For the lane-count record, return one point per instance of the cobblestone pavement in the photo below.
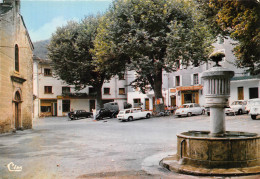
(59, 148)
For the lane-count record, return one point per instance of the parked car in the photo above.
(112, 106)
(229, 111)
(104, 113)
(132, 114)
(255, 109)
(79, 114)
(250, 103)
(239, 106)
(189, 109)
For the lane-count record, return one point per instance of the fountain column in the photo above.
(217, 92)
(216, 152)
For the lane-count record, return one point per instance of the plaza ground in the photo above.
(60, 148)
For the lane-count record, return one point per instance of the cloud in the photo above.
(45, 31)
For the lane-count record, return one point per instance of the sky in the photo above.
(43, 17)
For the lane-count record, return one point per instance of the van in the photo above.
(112, 106)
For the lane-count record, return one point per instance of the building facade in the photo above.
(186, 86)
(16, 68)
(53, 97)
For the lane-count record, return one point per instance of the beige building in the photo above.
(53, 97)
(16, 99)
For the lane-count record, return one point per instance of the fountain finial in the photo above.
(217, 57)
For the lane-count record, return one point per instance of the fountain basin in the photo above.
(236, 153)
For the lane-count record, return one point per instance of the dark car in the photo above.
(104, 113)
(79, 114)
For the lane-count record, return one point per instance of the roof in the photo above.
(245, 78)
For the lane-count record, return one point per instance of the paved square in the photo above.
(60, 148)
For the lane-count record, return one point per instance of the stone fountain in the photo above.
(216, 152)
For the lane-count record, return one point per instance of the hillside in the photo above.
(40, 49)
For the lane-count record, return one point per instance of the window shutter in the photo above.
(174, 84)
(180, 80)
(191, 79)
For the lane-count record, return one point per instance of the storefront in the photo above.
(48, 107)
(189, 94)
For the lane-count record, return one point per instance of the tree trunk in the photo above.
(99, 103)
(159, 105)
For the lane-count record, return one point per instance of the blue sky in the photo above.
(43, 17)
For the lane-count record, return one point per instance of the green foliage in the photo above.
(154, 34)
(241, 21)
(69, 51)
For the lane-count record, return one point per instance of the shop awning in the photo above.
(189, 88)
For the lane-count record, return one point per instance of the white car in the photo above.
(133, 113)
(229, 111)
(250, 103)
(189, 109)
(255, 109)
(239, 106)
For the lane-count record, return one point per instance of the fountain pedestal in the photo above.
(216, 152)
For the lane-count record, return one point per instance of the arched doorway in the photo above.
(17, 111)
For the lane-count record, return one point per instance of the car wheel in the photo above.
(203, 112)
(130, 118)
(189, 114)
(179, 115)
(91, 115)
(148, 115)
(253, 116)
(76, 118)
(239, 112)
(71, 117)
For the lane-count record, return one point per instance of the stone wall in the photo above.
(12, 32)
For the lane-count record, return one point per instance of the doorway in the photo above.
(253, 93)
(17, 110)
(173, 100)
(147, 104)
(54, 109)
(92, 105)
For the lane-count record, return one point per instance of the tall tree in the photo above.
(70, 51)
(239, 19)
(154, 35)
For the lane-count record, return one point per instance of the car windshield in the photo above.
(237, 103)
(185, 106)
(121, 112)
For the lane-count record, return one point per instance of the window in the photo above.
(47, 89)
(122, 77)
(240, 93)
(107, 91)
(253, 93)
(47, 72)
(122, 91)
(177, 81)
(195, 79)
(16, 58)
(65, 89)
(45, 108)
(178, 64)
(65, 105)
(91, 90)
